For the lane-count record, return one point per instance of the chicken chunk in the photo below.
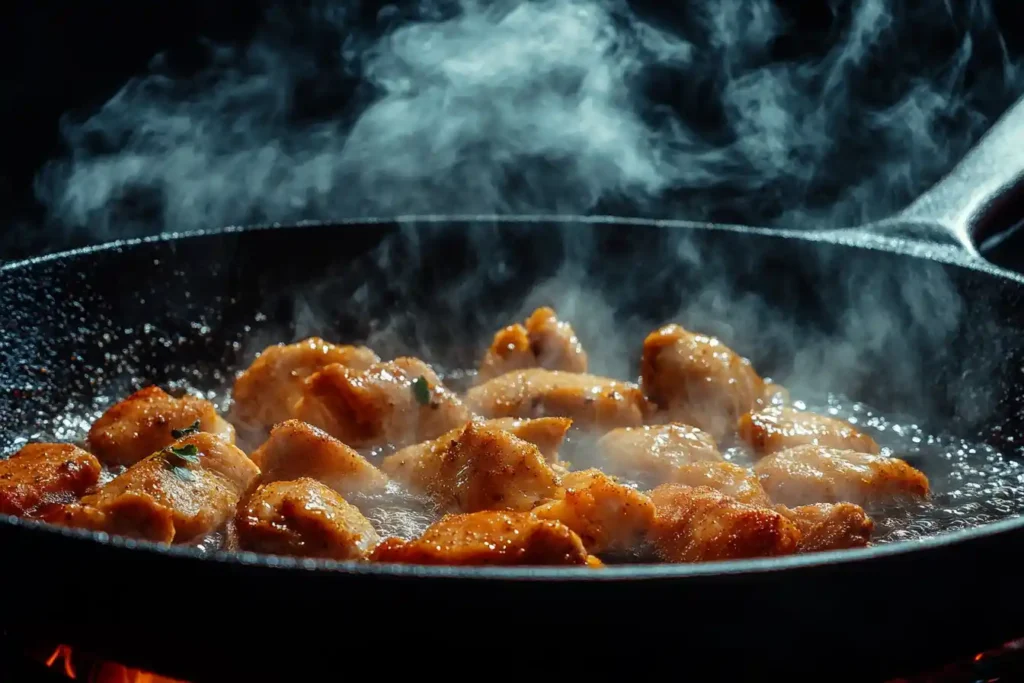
(545, 342)
(142, 423)
(778, 428)
(306, 519)
(266, 393)
(814, 474)
(399, 403)
(606, 515)
(651, 454)
(174, 495)
(482, 468)
(701, 524)
(45, 473)
(826, 526)
(546, 433)
(488, 538)
(296, 449)
(698, 380)
(728, 478)
(592, 402)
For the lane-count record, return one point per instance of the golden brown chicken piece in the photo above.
(606, 515)
(778, 428)
(698, 380)
(592, 402)
(814, 474)
(482, 468)
(701, 524)
(174, 495)
(296, 449)
(731, 479)
(306, 519)
(398, 403)
(141, 424)
(545, 342)
(45, 473)
(266, 393)
(651, 454)
(488, 538)
(828, 526)
(546, 433)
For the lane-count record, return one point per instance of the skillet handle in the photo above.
(974, 199)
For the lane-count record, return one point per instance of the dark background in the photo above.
(70, 57)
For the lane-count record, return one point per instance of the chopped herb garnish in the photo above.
(421, 390)
(183, 473)
(177, 457)
(187, 452)
(187, 431)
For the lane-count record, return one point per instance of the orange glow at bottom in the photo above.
(63, 652)
(105, 672)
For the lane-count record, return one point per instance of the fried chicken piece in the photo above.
(698, 380)
(728, 478)
(296, 449)
(45, 473)
(651, 454)
(141, 424)
(815, 474)
(399, 402)
(778, 428)
(546, 433)
(827, 526)
(488, 538)
(306, 519)
(165, 497)
(606, 515)
(701, 524)
(481, 468)
(591, 401)
(545, 342)
(266, 393)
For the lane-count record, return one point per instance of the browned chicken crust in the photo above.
(701, 524)
(153, 500)
(731, 479)
(814, 474)
(827, 526)
(296, 449)
(141, 424)
(42, 474)
(381, 405)
(778, 428)
(304, 518)
(544, 342)
(481, 468)
(651, 454)
(591, 402)
(607, 515)
(697, 380)
(488, 538)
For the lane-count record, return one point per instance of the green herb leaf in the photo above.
(421, 390)
(187, 431)
(187, 453)
(183, 473)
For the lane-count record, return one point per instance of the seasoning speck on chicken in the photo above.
(815, 474)
(701, 524)
(651, 454)
(154, 500)
(296, 449)
(488, 538)
(592, 402)
(778, 428)
(728, 478)
(267, 392)
(132, 429)
(827, 526)
(545, 342)
(697, 380)
(482, 468)
(306, 519)
(396, 403)
(606, 515)
(41, 474)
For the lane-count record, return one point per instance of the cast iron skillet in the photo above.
(97, 322)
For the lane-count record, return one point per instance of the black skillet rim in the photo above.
(874, 240)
